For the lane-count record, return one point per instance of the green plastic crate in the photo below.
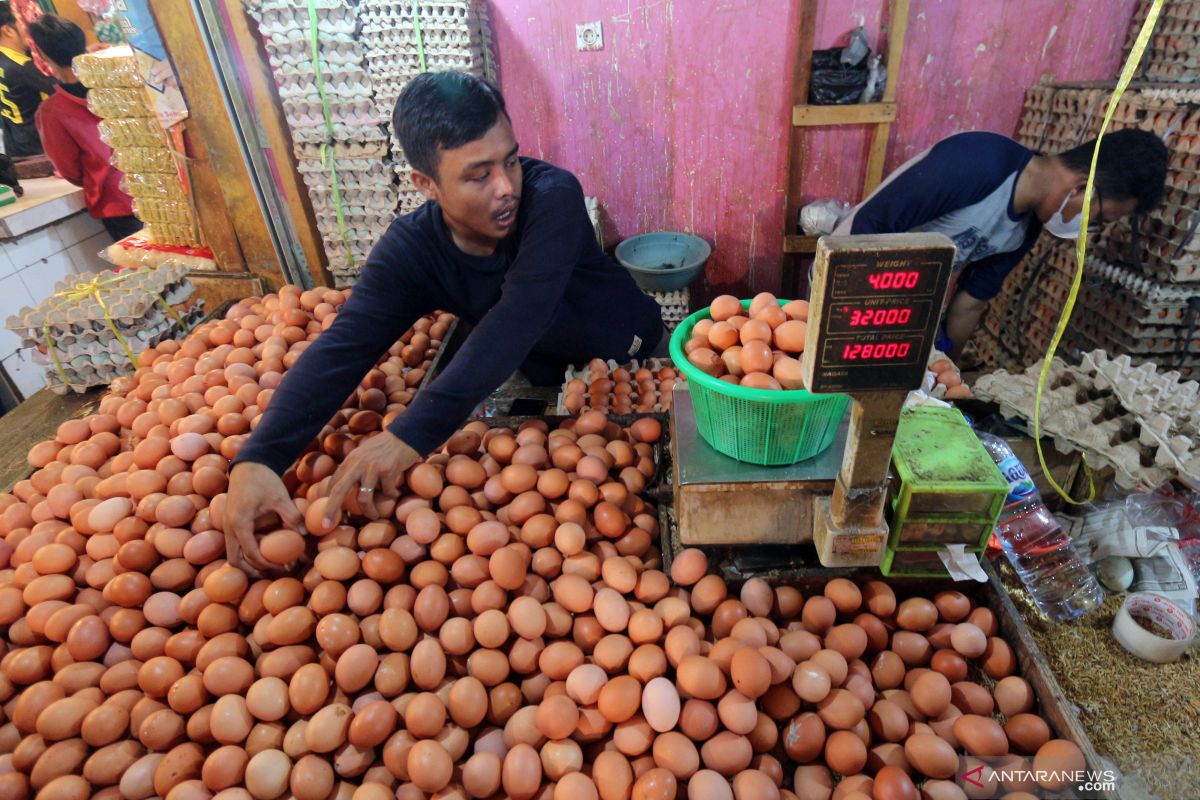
(922, 563)
(935, 531)
(945, 476)
(757, 426)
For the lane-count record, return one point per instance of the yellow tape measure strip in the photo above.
(1127, 72)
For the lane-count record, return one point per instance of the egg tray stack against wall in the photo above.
(1174, 50)
(403, 39)
(79, 331)
(1135, 282)
(343, 157)
(367, 52)
(140, 150)
(1143, 423)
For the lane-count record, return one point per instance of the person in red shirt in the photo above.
(70, 132)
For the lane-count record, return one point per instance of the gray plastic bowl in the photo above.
(663, 261)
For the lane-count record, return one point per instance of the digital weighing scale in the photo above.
(875, 308)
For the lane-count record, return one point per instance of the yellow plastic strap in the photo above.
(1127, 73)
(319, 79)
(96, 288)
(163, 302)
(62, 373)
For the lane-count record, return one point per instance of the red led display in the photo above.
(878, 351)
(879, 313)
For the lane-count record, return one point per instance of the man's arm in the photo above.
(981, 281)
(60, 147)
(380, 309)
(533, 289)
(962, 318)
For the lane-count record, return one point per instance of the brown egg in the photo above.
(913, 648)
(971, 698)
(931, 693)
(700, 677)
(968, 640)
(849, 640)
(952, 606)
(998, 660)
(845, 753)
(887, 670)
(916, 614)
(620, 698)
(950, 664)
(1013, 696)
(1027, 732)
(751, 672)
(931, 755)
(893, 782)
(980, 736)
(841, 709)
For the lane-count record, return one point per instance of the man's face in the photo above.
(12, 35)
(1104, 209)
(479, 187)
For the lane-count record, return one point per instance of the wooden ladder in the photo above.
(881, 115)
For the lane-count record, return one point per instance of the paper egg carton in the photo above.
(1174, 50)
(1143, 423)
(673, 306)
(73, 339)
(583, 373)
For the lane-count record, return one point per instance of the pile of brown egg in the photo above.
(758, 347)
(503, 628)
(620, 390)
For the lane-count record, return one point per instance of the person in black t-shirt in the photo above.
(22, 89)
(505, 243)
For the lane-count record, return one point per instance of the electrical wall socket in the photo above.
(589, 36)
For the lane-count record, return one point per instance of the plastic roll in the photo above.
(1163, 612)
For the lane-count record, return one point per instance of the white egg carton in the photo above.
(1142, 422)
(583, 373)
(673, 306)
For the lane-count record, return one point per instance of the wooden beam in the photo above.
(801, 77)
(897, 28)
(851, 114)
(276, 142)
(211, 130)
(800, 244)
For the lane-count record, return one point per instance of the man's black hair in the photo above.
(60, 40)
(443, 110)
(6, 15)
(1132, 166)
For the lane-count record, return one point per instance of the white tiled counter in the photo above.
(44, 237)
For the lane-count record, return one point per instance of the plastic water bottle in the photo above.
(1036, 545)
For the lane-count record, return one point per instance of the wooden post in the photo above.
(801, 75)
(231, 219)
(897, 27)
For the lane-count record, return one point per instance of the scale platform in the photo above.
(722, 501)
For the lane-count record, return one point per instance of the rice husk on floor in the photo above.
(1142, 716)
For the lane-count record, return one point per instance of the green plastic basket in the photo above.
(758, 426)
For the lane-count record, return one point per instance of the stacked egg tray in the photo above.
(117, 94)
(673, 306)
(339, 140)
(1141, 422)
(595, 386)
(87, 351)
(1174, 50)
(404, 39)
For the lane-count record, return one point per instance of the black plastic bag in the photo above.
(840, 74)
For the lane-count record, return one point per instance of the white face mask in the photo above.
(1063, 229)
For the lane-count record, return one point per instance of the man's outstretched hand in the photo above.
(254, 491)
(376, 465)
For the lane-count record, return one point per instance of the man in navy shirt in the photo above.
(992, 197)
(505, 243)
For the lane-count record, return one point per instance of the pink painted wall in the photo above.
(681, 121)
